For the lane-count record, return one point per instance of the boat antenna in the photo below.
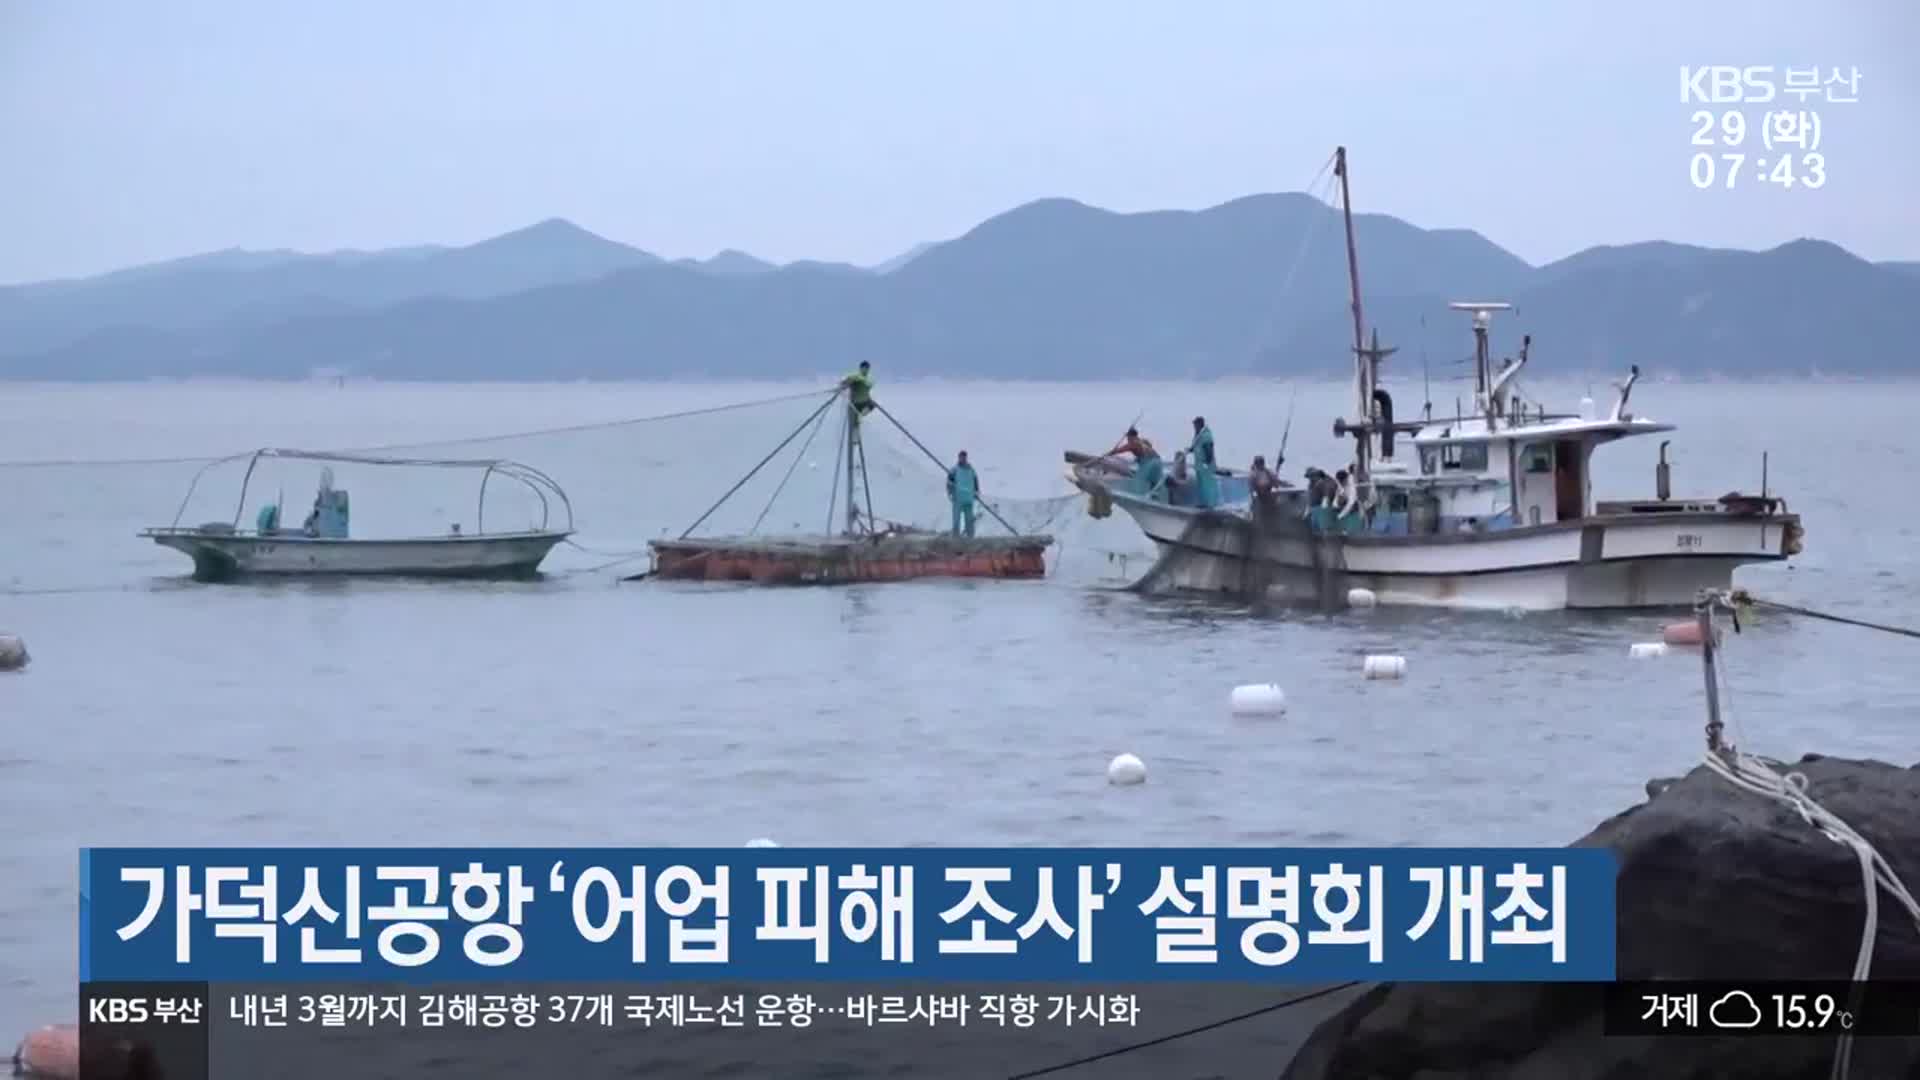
(1426, 376)
(1482, 319)
(1363, 390)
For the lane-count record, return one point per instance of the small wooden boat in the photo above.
(323, 547)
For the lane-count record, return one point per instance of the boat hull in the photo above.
(849, 560)
(219, 557)
(1607, 561)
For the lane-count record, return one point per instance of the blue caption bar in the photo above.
(1092, 914)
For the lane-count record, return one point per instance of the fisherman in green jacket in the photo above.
(963, 486)
(860, 389)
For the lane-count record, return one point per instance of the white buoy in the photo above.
(1586, 408)
(1361, 598)
(13, 653)
(1384, 667)
(1263, 700)
(761, 841)
(1647, 650)
(1127, 769)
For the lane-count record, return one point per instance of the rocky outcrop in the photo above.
(1714, 883)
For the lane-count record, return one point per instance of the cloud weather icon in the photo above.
(1736, 1009)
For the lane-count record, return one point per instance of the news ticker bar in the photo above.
(1885, 1008)
(307, 1031)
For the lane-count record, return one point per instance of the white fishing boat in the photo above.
(323, 546)
(1495, 509)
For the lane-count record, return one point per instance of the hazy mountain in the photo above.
(1904, 267)
(1051, 289)
(902, 259)
(230, 287)
(729, 261)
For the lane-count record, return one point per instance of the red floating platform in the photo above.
(840, 560)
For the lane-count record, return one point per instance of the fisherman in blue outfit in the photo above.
(1149, 472)
(1206, 485)
(963, 487)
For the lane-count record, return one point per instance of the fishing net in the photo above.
(1271, 555)
(628, 480)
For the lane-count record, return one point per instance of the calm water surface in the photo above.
(576, 710)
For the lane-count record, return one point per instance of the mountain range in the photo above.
(1050, 289)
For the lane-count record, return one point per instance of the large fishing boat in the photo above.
(1491, 508)
(322, 545)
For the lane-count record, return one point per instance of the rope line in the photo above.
(784, 480)
(931, 456)
(618, 557)
(771, 454)
(568, 429)
(1297, 999)
(1812, 614)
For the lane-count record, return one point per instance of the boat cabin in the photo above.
(1471, 478)
(1508, 464)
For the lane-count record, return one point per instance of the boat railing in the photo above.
(544, 487)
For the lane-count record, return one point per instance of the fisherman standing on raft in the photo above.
(1149, 473)
(963, 487)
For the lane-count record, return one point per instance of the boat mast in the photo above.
(1362, 375)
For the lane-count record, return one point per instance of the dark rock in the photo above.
(1715, 883)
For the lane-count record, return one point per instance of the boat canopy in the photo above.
(543, 486)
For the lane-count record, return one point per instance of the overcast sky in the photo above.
(852, 130)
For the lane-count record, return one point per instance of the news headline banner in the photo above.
(946, 914)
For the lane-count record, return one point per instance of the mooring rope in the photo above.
(1774, 781)
(1827, 616)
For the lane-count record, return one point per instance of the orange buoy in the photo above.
(1681, 633)
(52, 1053)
